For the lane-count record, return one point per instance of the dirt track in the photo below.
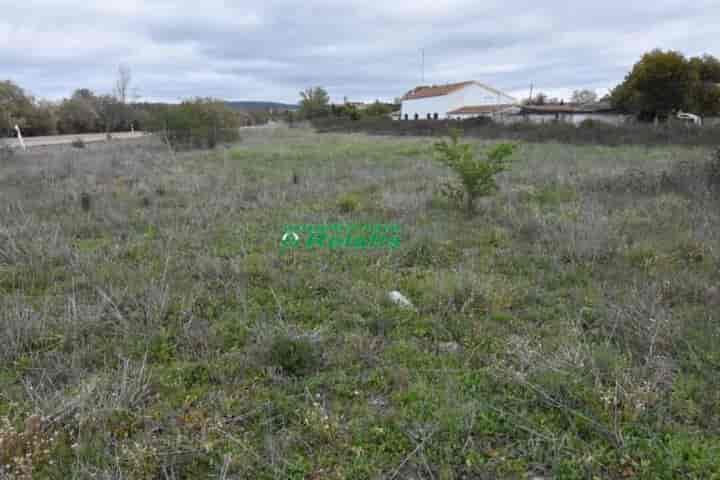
(65, 139)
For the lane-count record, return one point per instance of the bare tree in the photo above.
(122, 83)
(113, 109)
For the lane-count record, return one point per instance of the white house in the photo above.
(456, 100)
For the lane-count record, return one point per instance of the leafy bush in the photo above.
(348, 203)
(589, 123)
(477, 176)
(296, 356)
(200, 123)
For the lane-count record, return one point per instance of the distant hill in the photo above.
(260, 106)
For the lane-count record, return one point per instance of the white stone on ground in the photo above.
(399, 299)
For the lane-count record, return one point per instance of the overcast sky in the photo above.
(362, 49)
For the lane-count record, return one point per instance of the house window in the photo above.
(435, 116)
(417, 116)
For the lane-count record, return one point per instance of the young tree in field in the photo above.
(314, 102)
(476, 175)
(583, 97)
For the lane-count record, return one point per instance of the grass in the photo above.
(154, 329)
(587, 133)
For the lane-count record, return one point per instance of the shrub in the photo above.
(200, 123)
(296, 356)
(588, 123)
(85, 201)
(348, 203)
(477, 176)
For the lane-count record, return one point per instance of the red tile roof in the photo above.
(434, 91)
(480, 109)
(440, 90)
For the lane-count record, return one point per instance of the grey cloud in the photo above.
(357, 48)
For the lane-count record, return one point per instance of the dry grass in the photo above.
(569, 328)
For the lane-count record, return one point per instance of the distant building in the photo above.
(493, 111)
(456, 100)
(571, 113)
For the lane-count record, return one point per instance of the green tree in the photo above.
(378, 109)
(703, 96)
(42, 120)
(314, 102)
(78, 114)
(197, 123)
(15, 107)
(111, 113)
(657, 85)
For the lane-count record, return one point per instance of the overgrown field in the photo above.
(153, 328)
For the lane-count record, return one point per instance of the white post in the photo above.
(19, 136)
(132, 129)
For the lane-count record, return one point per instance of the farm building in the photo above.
(571, 113)
(455, 100)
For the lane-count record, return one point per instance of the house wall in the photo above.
(432, 105)
(471, 95)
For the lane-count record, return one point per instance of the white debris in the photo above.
(399, 299)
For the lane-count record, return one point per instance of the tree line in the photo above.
(315, 104)
(195, 122)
